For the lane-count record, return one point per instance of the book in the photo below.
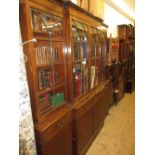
(43, 55)
(75, 51)
(35, 22)
(57, 56)
(81, 52)
(57, 99)
(92, 76)
(84, 46)
(40, 81)
(45, 79)
(78, 84)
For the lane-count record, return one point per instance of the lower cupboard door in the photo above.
(84, 130)
(61, 143)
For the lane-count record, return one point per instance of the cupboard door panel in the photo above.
(99, 112)
(101, 109)
(61, 143)
(84, 129)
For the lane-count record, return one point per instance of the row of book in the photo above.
(54, 100)
(80, 80)
(80, 51)
(45, 79)
(45, 54)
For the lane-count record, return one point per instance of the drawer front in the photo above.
(57, 126)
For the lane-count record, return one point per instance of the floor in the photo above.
(117, 135)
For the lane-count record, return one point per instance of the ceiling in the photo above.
(130, 4)
(125, 7)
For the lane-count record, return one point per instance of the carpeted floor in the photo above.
(117, 137)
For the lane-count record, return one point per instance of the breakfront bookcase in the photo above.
(66, 72)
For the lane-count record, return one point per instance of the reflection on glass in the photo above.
(43, 22)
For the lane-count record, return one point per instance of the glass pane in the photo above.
(38, 24)
(54, 24)
(80, 54)
(44, 22)
(50, 60)
(96, 57)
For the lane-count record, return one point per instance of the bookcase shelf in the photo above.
(42, 38)
(51, 89)
(50, 109)
(45, 91)
(43, 66)
(77, 61)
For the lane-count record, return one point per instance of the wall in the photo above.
(27, 144)
(114, 18)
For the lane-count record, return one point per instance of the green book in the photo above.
(59, 99)
(51, 100)
(55, 101)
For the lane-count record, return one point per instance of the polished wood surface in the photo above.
(70, 128)
(90, 112)
(84, 129)
(60, 143)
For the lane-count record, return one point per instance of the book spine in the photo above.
(78, 85)
(81, 52)
(40, 80)
(36, 26)
(39, 55)
(36, 52)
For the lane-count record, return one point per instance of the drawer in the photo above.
(56, 127)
